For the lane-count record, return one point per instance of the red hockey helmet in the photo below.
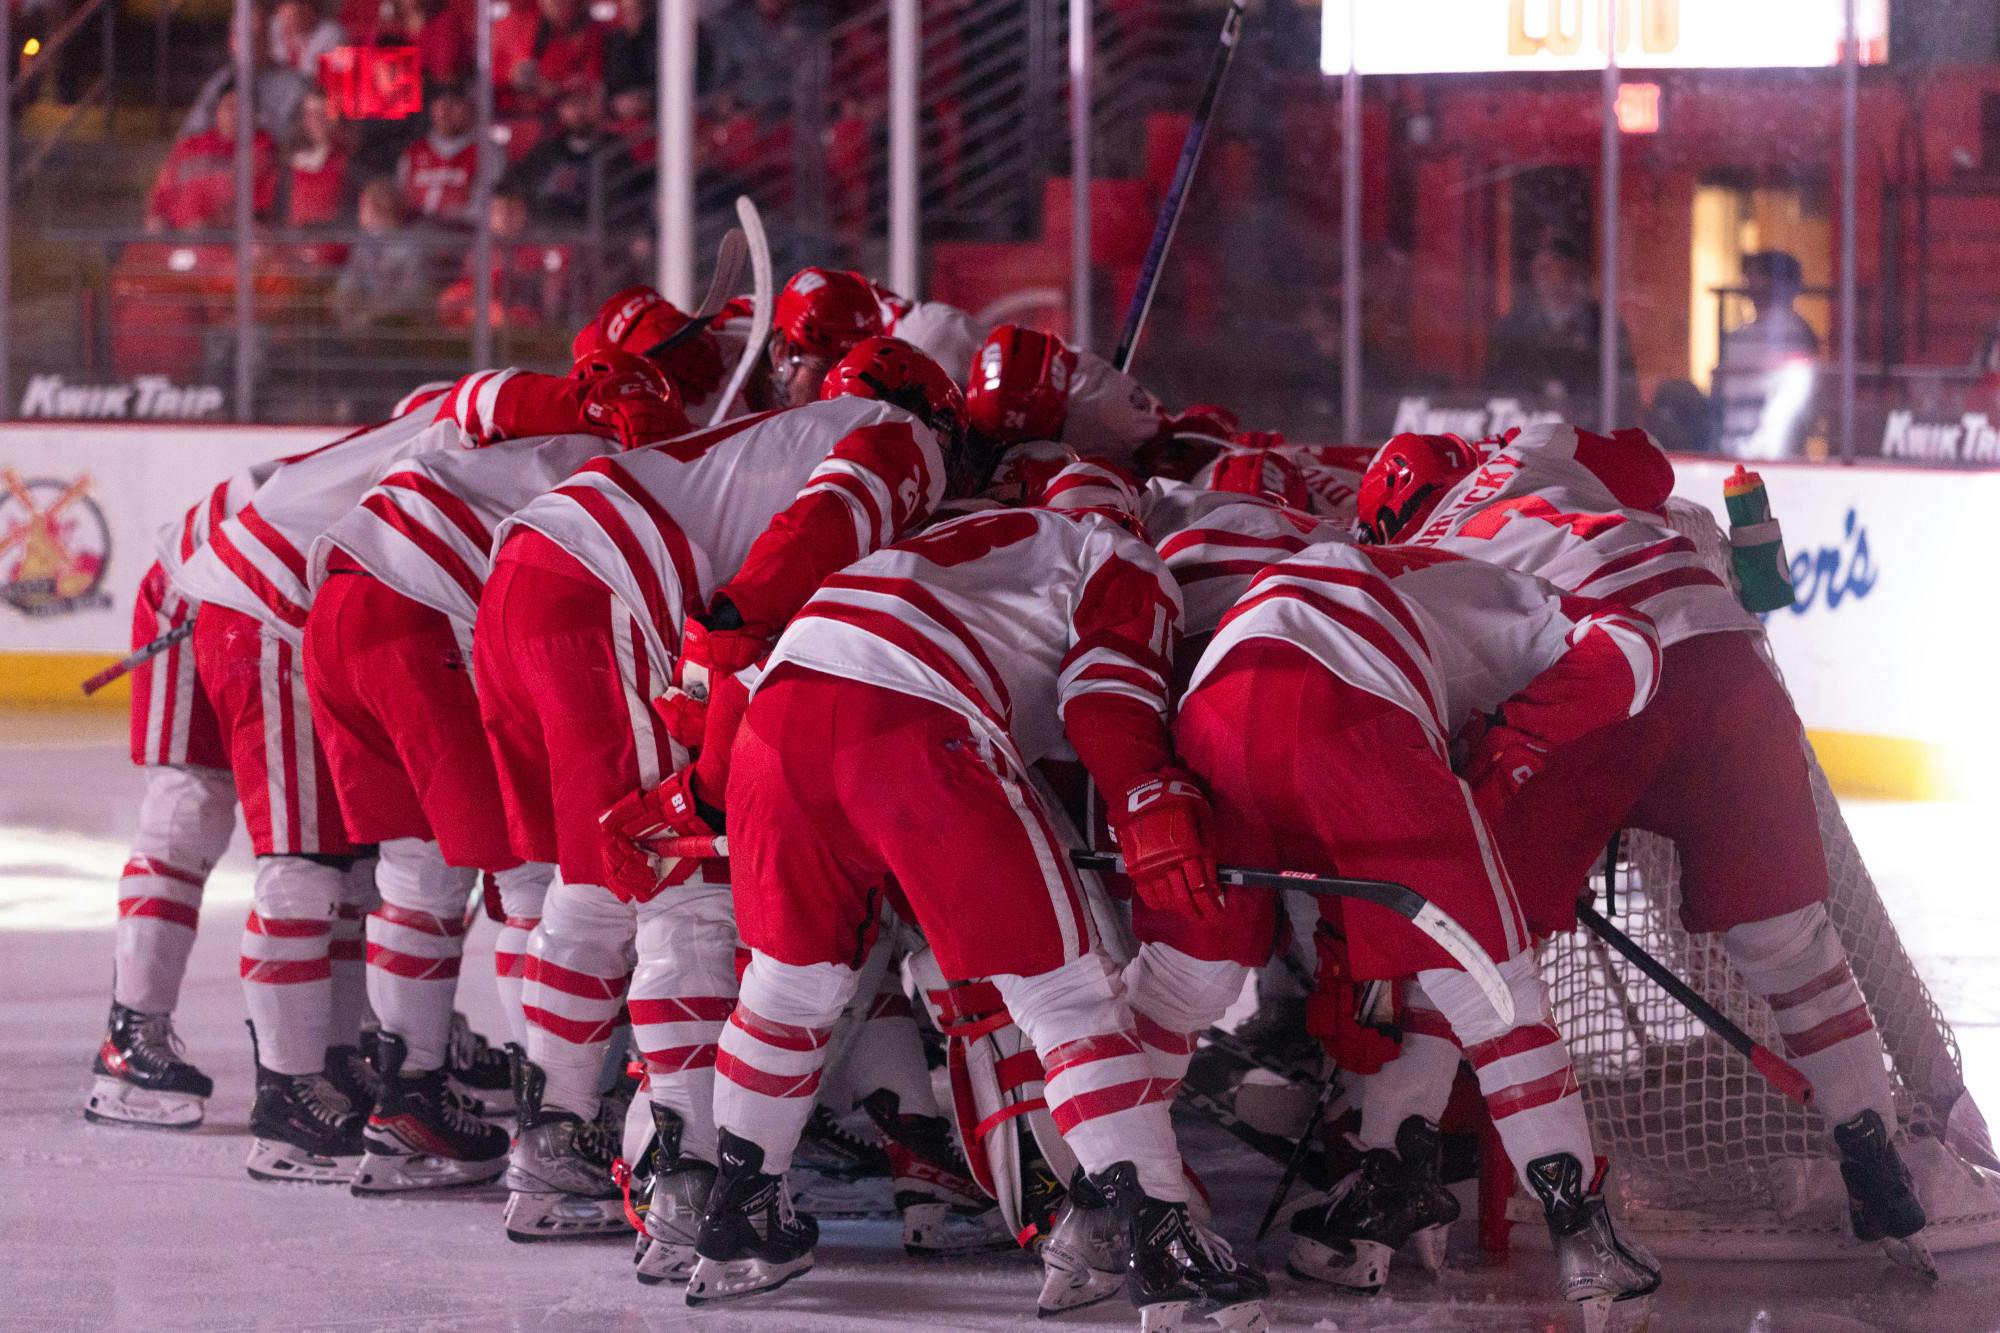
(825, 312)
(1263, 472)
(616, 361)
(893, 371)
(641, 321)
(1406, 479)
(1025, 470)
(1019, 385)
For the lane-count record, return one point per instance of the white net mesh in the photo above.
(1707, 1156)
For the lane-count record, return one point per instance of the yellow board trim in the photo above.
(56, 679)
(1887, 768)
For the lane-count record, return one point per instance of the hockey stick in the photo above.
(1766, 1061)
(1329, 1091)
(730, 257)
(1170, 207)
(760, 317)
(1404, 901)
(125, 666)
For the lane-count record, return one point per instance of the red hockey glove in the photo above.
(719, 644)
(670, 810)
(626, 408)
(1499, 762)
(1333, 1012)
(1162, 828)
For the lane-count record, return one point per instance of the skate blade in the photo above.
(1912, 1253)
(282, 1162)
(660, 1261)
(1172, 1316)
(532, 1217)
(384, 1173)
(1428, 1247)
(730, 1279)
(1364, 1271)
(113, 1101)
(1067, 1286)
(1609, 1314)
(933, 1230)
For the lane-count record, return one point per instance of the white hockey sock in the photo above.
(573, 989)
(1524, 1071)
(185, 819)
(773, 1049)
(1176, 997)
(415, 939)
(1101, 1089)
(1418, 1081)
(347, 952)
(682, 993)
(522, 890)
(287, 977)
(1796, 963)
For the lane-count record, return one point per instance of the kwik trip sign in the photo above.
(142, 398)
(1499, 36)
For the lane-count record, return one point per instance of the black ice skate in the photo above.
(1393, 1198)
(421, 1135)
(1595, 1266)
(351, 1069)
(1180, 1275)
(559, 1174)
(839, 1173)
(141, 1077)
(944, 1210)
(751, 1238)
(677, 1193)
(1882, 1203)
(1084, 1258)
(304, 1128)
(481, 1073)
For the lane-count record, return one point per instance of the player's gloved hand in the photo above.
(1499, 761)
(625, 407)
(1333, 1012)
(694, 365)
(633, 871)
(1162, 827)
(719, 643)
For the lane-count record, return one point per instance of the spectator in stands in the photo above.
(757, 50)
(529, 280)
(1546, 347)
(279, 90)
(383, 281)
(1765, 377)
(437, 172)
(196, 186)
(300, 34)
(557, 173)
(537, 52)
(632, 52)
(316, 193)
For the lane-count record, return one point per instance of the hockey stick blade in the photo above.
(763, 301)
(730, 258)
(125, 666)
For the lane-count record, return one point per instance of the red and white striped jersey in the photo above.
(1005, 617)
(942, 332)
(1547, 504)
(1333, 474)
(426, 528)
(1444, 638)
(664, 526)
(511, 404)
(1215, 542)
(1110, 413)
(178, 541)
(255, 560)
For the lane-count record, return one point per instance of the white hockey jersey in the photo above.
(1332, 474)
(1547, 503)
(255, 560)
(1004, 617)
(1444, 638)
(1110, 413)
(426, 528)
(665, 526)
(177, 542)
(942, 332)
(1215, 542)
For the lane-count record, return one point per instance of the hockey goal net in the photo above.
(1708, 1159)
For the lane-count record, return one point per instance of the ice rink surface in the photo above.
(105, 1228)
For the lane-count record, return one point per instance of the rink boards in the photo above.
(1886, 649)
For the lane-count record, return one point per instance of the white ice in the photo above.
(111, 1228)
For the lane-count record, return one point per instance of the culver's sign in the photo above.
(143, 398)
(1422, 416)
(1828, 576)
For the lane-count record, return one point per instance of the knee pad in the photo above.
(1771, 946)
(186, 816)
(585, 928)
(1054, 1006)
(1179, 992)
(294, 888)
(811, 996)
(1472, 1016)
(411, 873)
(523, 889)
(691, 933)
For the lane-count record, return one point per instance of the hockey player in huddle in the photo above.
(388, 647)
(954, 660)
(1320, 717)
(1716, 763)
(638, 572)
(1026, 385)
(186, 815)
(1329, 475)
